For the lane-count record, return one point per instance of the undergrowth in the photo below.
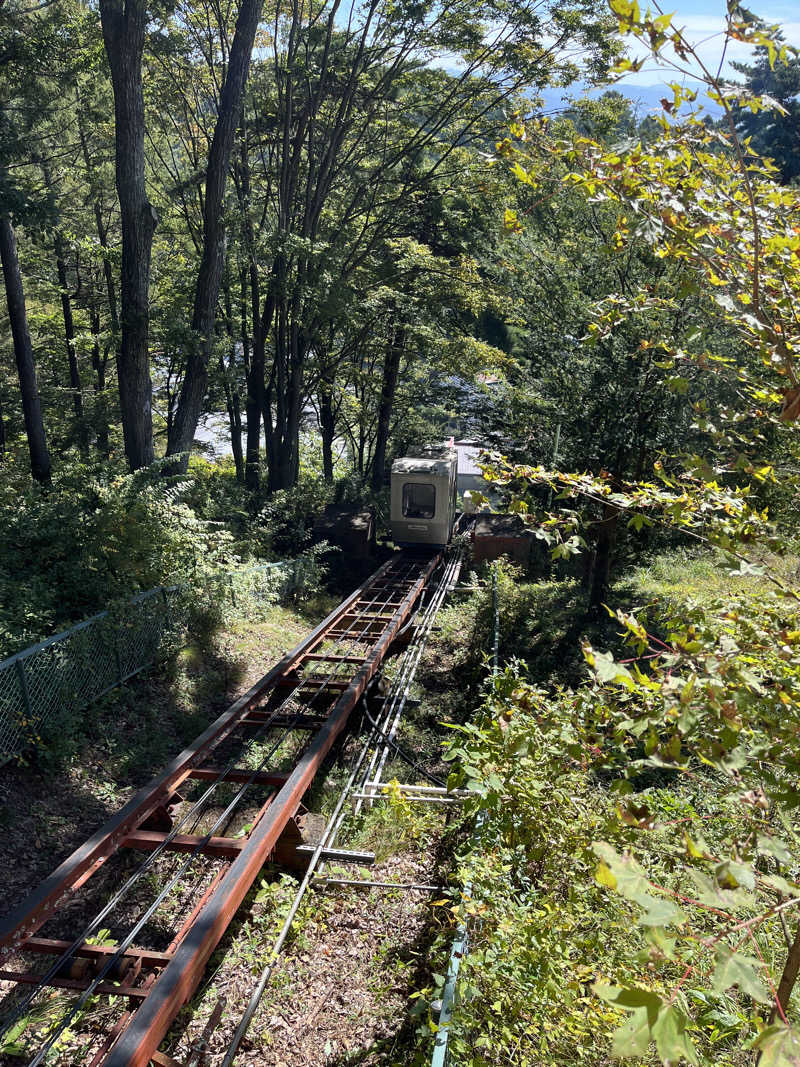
(558, 941)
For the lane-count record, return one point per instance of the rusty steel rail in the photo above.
(323, 685)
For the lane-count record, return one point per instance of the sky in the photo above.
(704, 21)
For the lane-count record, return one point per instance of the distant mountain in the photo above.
(645, 98)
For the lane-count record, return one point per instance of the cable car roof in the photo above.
(438, 461)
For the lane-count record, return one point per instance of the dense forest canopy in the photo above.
(234, 205)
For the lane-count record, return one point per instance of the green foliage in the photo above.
(702, 703)
(288, 515)
(393, 823)
(635, 904)
(99, 536)
(773, 132)
(537, 921)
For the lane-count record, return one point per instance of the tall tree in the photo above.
(26, 37)
(354, 131)
(773, 132)
(100, 351)
(23, 352)
(124, 23)
(209, 278)
(60, 249)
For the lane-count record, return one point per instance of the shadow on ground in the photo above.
(95, 762)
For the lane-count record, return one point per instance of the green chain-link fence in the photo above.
(65, 673)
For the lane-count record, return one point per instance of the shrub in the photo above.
(288, 516)
(97, 536)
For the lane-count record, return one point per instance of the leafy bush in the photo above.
(212, 491)
(97, 536)
(288, 516)
(537, 922)
(578, 951)
(632, 886)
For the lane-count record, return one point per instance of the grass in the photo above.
(134, 729)
(394, 824)
(547, 931)
(704, 575)
(97, 760)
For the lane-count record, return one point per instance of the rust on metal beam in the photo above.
(365, 638)
(315, 685)
(320, 656)
(75, 984)
(24, 920)
(220, 847)
(49, 946)
(161, 1059)
(179, 979)
(296, 722)
(371, 619)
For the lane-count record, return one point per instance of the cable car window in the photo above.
(419, 500)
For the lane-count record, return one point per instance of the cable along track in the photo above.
(366, 769)
(308, 695)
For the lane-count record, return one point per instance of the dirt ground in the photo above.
(342, 991)
(51, 805)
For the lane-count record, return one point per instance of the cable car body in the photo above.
(423, 497)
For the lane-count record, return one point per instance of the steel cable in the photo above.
(147, 864)
(335, 821)
(128, 940)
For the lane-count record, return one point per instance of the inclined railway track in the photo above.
(310, 693)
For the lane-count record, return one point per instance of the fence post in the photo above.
(23, 685)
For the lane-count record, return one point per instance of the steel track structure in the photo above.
(375, 737)
(314, 688)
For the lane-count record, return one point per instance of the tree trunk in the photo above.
(69, 323)
(209, 278)
(244, 335)
(604, 549)
(231, 388)
(102, 231)
(327, 426)
(391, 369)
(234, 419)
(69, 338)
(290, 358)
(123, 34)
(258, 398)
(100, 359)
(102, 236)
(789, 977)
(270, 449)
(299, 355)
(254, 407)
(787, 983)
(23, 352)
(99, 367)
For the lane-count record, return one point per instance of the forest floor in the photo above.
(341, 992)
(50, 805)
